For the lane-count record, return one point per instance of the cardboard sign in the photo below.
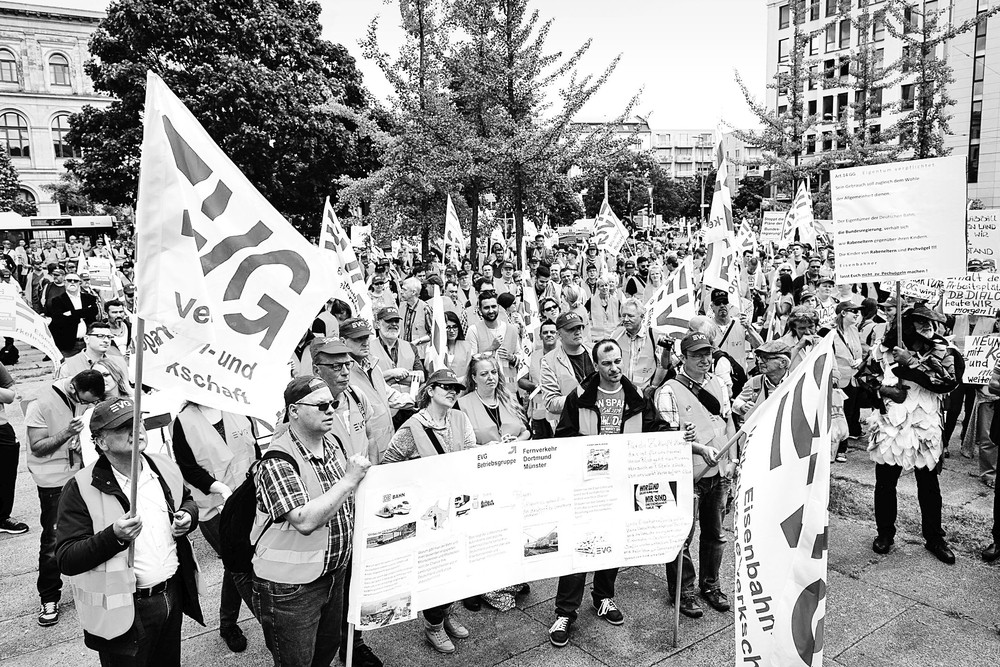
(982, 354)
(771, 225)
(974, 294)
(922, 290)
(984, 236)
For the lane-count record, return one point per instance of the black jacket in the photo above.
(78, 549)
(66, 318)
(584, 397)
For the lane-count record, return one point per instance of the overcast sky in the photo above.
(680, 53)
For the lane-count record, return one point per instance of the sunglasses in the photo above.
(72, 280)
(322, 406)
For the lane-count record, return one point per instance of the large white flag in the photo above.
(453, 238)
(781, 511)
(723, 259)
(674, 304)
(437, 350)
(20, 322)
(720, 217)
(226, 285)
(609, 232)
(350, 284)
(800, 217)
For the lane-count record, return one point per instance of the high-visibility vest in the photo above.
(226, 460)
(711, 430)
(54, 470)
(456, 435)
(283, 554)
(486, 430)
(406, 354)
(104, 595)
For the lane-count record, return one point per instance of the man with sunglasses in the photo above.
(97, 342)
(53, 423)
(304, 529)
(70, 315)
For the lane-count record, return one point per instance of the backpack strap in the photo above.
(726, 335)
(274, 454)
(434, 439)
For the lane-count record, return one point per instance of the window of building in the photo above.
(829, 69)
(976, 126)
(930, 10)
(842, 105)
(845, 68)
(783, 109)
(14, 134)
(828, 141)
(981, 37)
(910, 20)
(810, 144)
(875, 108)
(878, 27)
(831, 37)
(814, 10)
(685, 168)
(974, 164)
(59, 70)
(828, 108)
(979, 69)
(831, 8)
(875, 134)
(812, 107)
(905, 133)
(906, 97)
(684, 154)
(784, 17)
(783, 49)
(8, 67)
(813, 46)
(878, 57)
(845, 34)
(60, 128)
(662, 140)
(28, 197)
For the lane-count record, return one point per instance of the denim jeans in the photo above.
(301, 622)
(49, 579)
(160, 617)
(928, 496)
(229, 604)
(356, 637)
(569, 594)
(710, 494)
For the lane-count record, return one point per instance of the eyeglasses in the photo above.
(446, 387)
(337, 366)
(451, 327)
(548, 308)
(322, 406)
(72, 280)
(100, 336)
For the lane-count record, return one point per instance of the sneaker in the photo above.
(559, 632)
(363, 657)
(841, 458)
(8, 525)
(49, 614)
(717, 599)
(690, 607)
(609, 611)
(438, 638)
(454, 627)
(234, 638)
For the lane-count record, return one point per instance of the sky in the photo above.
(681, 54)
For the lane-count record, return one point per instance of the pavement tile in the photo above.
(547, 655)
(855, 609)
(926, 637)
(713, 650)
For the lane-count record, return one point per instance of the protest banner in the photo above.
(982, 354)
(782, 518)
(922, 290)
(670, 309)
(20, 322)
(609, 232)
(984, 236)
(350, 285)
(226, 286)
(898, 220)
(443, 528)
(360, 234)
(973, 294)
(771, 226)
(719, 224)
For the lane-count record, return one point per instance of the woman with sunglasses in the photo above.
(437, 428)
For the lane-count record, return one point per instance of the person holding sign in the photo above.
(915, 374)
(437, 428)
(605, 403)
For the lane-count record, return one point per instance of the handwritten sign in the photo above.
(982, 353)
(984, 236)
(922, 290)
(974, 294)
(770, 227)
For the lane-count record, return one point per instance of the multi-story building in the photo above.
(42, 82)
(974, 57)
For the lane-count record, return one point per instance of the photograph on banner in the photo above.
(984, 237)
(897, 220)
(771, 226)
(973, 294)
(982, 354)
(444, 528)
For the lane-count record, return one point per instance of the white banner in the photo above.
(782, 519)
(218, 265)
(974, 294)
(771, 225)
(984, 236)
(898, 220)
(670, 309)
(982, 354)
(923, 290)
(720, 217)
(360, 234)
(443, 528)
(20, 322)
(350, 285)
(609, 232)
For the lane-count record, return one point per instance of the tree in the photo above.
(276, 97)
(10, 188)
(749, 195)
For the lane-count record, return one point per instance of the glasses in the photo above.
(447, 387)
(322, 406)
(548, 308)
(337, 366)
(452, 327)
(72, 280)
(100, 336)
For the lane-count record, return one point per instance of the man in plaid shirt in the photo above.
(303, 530)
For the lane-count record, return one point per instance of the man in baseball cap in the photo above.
(396, 357)
(774, 358)
(565, 367)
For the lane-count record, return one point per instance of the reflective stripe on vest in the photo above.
(226, 460)
(284, 555)
(54, 470)
(104, 595)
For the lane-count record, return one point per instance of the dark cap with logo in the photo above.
(446, 378)
(569, 321)
(719, 296)
(111, 414)
(301, 387)
(695, 341)
(845, 306)
(388, 314)
(355, 327)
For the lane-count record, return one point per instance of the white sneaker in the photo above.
(48, 614)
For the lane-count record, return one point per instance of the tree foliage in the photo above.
(277, 98)
(10, 187)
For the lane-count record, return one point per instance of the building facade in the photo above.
(974, 57)
(681, 153)
(42, 82)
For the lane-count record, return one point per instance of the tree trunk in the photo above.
(474, 227)
(518, 217)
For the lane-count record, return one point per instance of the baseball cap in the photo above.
(129, 289)
(112, 413)
(847, 305)
(354, 328)
(629, 264)
(445, 377)
(508, 265)
(826, 277)
(695, 341)
(301, 387)
(719, 296)
(569, 321)
(331, 346)
(388, 313)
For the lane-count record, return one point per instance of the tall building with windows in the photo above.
(42, 52)
(974, 57)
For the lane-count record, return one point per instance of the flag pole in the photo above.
(899, 316)
(136, 426)
(677, 595)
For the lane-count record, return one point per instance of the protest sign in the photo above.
(360, 234)
(922, 290)
(974, 294)
(982, 354)
(443, 528)
(984, 236)
(898, 220)
(20, 322)
(771, 226)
